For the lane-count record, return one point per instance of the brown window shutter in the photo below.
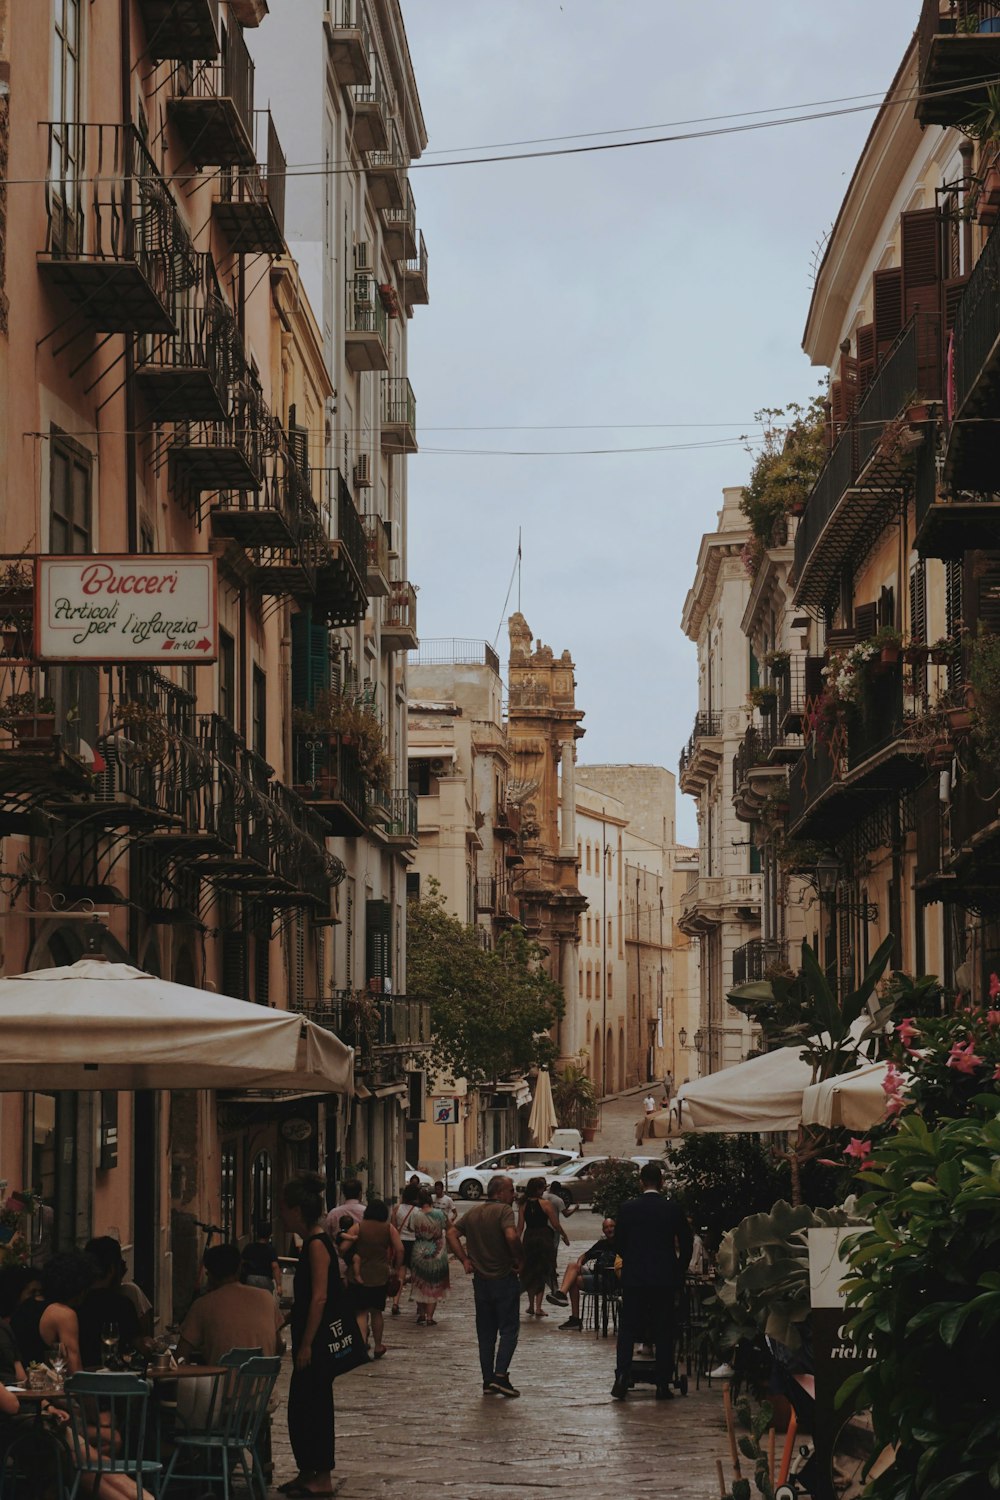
(920, 257)
(865, 620)
(951, 296)
(887, 288)
(838, 408)
(918, 601)
(866, 356)
(887, 608)
(849, 382)
(986, 571)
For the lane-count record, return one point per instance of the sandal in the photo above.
(380, 1351)
(395, 1309)
(420, 1319)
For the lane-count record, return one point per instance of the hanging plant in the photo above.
(145, 732)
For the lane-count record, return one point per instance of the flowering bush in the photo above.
(14, 1242)
(952, 1062)
(844, 673)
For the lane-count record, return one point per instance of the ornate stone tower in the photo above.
(543, 726)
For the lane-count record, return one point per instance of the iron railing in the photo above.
(752, 960)
(202, 351)
(327, 770)
(263, 183)
(230, 76)
(400, 806)
(376, 543)
(416, 265)
(951, 17)
(451, 651)
(399, 405)
(401, 609)
(365, 310)
(977, 322)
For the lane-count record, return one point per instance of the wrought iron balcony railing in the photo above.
(188, 30)
(399, 621)
(369, 1021)
(372, 109)
(211, 105)
(366, 328)
(958, 56)
(347, 41)
(399, 415)
(753, 960)
(114, 242)
(415, 274)
(399, 230)
(227, 454)
(251, 202)
(328, 776)
(186, 373)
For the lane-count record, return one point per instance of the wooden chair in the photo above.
(119, 1405)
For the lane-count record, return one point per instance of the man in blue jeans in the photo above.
(492, 1254)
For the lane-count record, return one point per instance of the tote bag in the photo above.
(339, 1335)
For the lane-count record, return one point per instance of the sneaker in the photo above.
(558, 1299)
(487, 1388)
(724, 1371)
(572, 1323)
(502, 1384)
(619, 1390)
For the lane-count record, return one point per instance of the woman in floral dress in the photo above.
(429, 1265)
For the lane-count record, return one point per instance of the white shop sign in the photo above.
(127, 607)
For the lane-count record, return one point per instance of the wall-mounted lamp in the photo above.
(682, 1037)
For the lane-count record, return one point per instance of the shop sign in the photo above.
(296, 1129)
(127, 607)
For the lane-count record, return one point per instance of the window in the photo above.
(588, 858)
(258, 709)
(413, 885)
(69, 491)
(590, 982)
(419, 776)
(610, 989)
(610, 933)
(227, 676)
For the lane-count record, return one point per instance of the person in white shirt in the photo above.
(350, 1204)
(444, 1203)
(649, 1104)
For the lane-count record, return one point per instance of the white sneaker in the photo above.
(721, 1372)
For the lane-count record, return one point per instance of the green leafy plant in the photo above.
(777, 661)
(614, 1182)
(720, 1179)
(925, 1289)
(787, 466)
(27, 706)
(574, 1096)
(762, 697)
(757, 1423)
(984, 677)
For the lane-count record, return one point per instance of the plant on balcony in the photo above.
(145, 736)
(944, 650)
(762, 697)
(30, 718)
(845, 671)
(354, 719)
(984, 679)
(787, 466)
(777, 662)
(983, 125)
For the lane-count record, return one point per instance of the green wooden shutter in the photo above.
(310, 658)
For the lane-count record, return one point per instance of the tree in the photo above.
(490, 1011)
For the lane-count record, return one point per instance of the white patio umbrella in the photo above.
(763, 1093)
(542, 1120)
(100, 1025)
(855, 1100)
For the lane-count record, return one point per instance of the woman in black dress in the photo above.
(537, 1224)
(310, 1394)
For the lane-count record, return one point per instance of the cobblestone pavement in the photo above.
(418, 1417)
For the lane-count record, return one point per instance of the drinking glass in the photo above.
(57, 1360)
(109, 1343)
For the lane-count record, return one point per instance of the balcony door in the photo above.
(67, 136)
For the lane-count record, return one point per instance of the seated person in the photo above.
(17, 1284)
(229, 1315)
(601, 1257)
(260, 1260)
(66, 1280)
(105, 1303)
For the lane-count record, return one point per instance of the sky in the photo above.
(650, 298)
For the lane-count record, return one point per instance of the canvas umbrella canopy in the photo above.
(764, 1093)
(100, 1025)
(542, 1120)
(855, 1100)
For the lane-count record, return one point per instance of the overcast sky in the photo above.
(665, 284)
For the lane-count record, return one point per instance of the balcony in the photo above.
(281, 558)
(184, 374)
(114, 243)
(958, 57)
(759, 773)
(797, 683)
(228, 454)
(347, 44)
(702, 756)
(377, 548)
(328, 777)
(386, 173)
(399, 415)
(371, 114)
(300, 868)
(399, 618)
(372, 1023)
(754, 961)
(366, 336)
(338, 549)
(250, 208)
(394, 815)
(958, 841)
(399, 229)
(272, 514)
(181, 29)
(970, 458)
(871, 465)
(710, 900)
(211, 106)
(414, 280)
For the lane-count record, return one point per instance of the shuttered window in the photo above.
(918, 601)
(920, 241)
(887, 293)
(310, 659)
(865, 620)
(954, 615)
(866, 356)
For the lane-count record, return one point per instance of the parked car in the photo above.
(575, 1181)
(520, 1165)
(426, 1180)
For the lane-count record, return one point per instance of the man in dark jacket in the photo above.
(654, 1242)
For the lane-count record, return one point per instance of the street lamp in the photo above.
(682, 1037)
(827, 875)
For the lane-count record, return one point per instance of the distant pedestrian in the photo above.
(654, 1242)
(446, 1204)
(493, 1255)
(538, 1226)
(260, 1259)
(429, 1265)
(375, 1254)
(649, 1104)
(350, 1203)
(401, 1218)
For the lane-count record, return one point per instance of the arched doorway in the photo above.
(595, 1061)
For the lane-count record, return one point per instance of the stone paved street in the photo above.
(418, 1418)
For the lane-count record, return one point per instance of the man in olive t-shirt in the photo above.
(492, 1254)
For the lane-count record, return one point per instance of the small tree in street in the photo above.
(490, 1011)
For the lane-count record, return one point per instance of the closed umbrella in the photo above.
(542, 1120)
(100, 1025)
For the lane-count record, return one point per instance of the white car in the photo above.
(426, 1180)
(519, 1165)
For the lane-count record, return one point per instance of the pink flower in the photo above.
(858, 1148)
(906, 1031)
(892, 1087)
(994, 986)
(964, 1059)
(993, 1018)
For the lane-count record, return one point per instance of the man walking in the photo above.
(654, 1242)
(492, 1254)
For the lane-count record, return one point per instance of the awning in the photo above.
(764, 1093)
(430, 752)
(855, 1100)
(99, 1025)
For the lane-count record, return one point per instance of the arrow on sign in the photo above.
(204, 644)
(167, 644)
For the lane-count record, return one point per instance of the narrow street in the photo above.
(419, 1417)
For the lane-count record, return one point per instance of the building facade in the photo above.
(721, 905)
(174, 399)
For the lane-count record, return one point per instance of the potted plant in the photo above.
(916, 653)
(983, 125)
(942, 651)
(575, 1099)
(763, 698)
(777, 662)
(889, 643)
(30, 718)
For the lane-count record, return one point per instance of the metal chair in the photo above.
(236, 1357)
(232, 1428)
(118, 1403)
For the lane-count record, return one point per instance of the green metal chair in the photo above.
(119, 1404)
(231, 1431)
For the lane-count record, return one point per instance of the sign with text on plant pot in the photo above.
(127, 607)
